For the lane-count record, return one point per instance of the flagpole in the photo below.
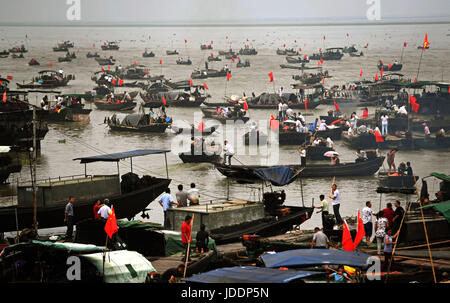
(420, 61)
(401, 58)
(104, 255)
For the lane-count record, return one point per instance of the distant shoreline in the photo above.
(76, 24)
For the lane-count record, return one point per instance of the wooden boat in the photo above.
(213, 114)
(60, 48)
(169, 53)
(182, 62)
(178, 99)
(89, 55)
(136, 123)
(214, 59)
(205, 46)
(114, 106)
(245, 64)
(148, 55)
(202, 74)
(203, 158)
(105, 61)
(281, 52)
(394, 67)
(351, 169)
(255, 138)
(225, 53)
(74, 112)
(396, 181)
(64, 59)
(4, 53)
(15, 56)
(332, 53)
(33, 62)
(110, 46)
(302, 67)
(194, 131)
(248, 51)
(296, 60)
(47, 79)
(20, 49)
(129, 195)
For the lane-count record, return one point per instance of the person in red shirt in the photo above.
(97, 206)
(186, 235)
(388, 213)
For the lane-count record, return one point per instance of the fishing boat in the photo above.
(228, 52)
(184, 62)
(175, 98)
(397, 181)
(9, 163)
(350, 49)
(391, 67)
(33, 62)
(290, 59)
(139, 122)
(332, 53)
(302, 67)
(231, 56)
(95, 55)
(60, 48)
(205, 46)
(48, 79)
(20, 49)
(128, 193)
(195, 132)
(212, 113)
(111, 45)
(214, 59)
(148, 55)
(70, 110)
(169, 52)
(64, 59)
(15, 56)
(105, 61)
(202, 74)
(115, 105)
(248, 51)
(350, 169)
(245, 64)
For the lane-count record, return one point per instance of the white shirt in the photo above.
(402, 110)
(366, 215)
(329, 142)
(193, 193)
(299, 126)
(302, 118)
(289, 112)
(384, 119)
(316, 142)
(285, 106)
(280, 107)
(104, 211)
(336, 200)
(229, 150)
(303, 153)
(323, 126)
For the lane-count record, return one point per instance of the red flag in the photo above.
(191, 83)
(9, 77)
(365, 113)
(212, 55)
(295, 41)
(1, 82)
(323, 80)
(425, 42)
(111, 224)
(113, 81)
(415, 106)
(228, 76)
(347, 35)
(378, 137)
(361, 73)
(299, 49)
(376, 77)
(336, 121)
(275, 124)
(284, 45)
(120, 82)
(360, 234)
(304, 57)
(415, 79)
(135, 62)
(201, 127)
(109, 66)
(389, 66)
(160, 61)
(232, 59)
(381, 72)
(164, 101)
(404, 44)
(146, 71)
(306, 103)
(347, 243)
(321, 60)
(271, 76)
(51, 63)
(324, 37)
(205, 86)
(185, 41)
(245, 106)
(4, 97)
(103, 70)
(336, 105)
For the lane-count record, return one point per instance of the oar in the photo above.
(189, 247)
(238, 160)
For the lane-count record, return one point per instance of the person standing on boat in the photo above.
(335, 201)
(399, 213)
(202, 240)
(68, 218)
(285, 108)
(391, 159)
(280, 111)
(193, 195)
(380, 230)
(181, 196)
(426, 130)
(229, 152)
(302, 151)
(330, 143)
(366, 215)
(186, 236)
(388, 213)
(409, 170)
(384, 124)
(105, 210)
(388, 247)
(97, 207)
(166, 202)
(320, 240)
(323, 209)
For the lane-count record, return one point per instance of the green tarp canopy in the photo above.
(174, 244)
(442, 207)
(75, 248)
(138, 224)
(443, 177)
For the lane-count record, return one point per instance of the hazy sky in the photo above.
(218, 11)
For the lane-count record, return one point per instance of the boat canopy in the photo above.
(442, 177)
(278, 175)
(442, 207)
(315, 257)
(115, 157)
(250, 274)
(73, 248)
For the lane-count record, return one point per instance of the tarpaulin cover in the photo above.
(75, 248)
(443, 177)
(312, 257)
(168, 95)
(249, 274)
(442, 207)
(266, 98)
(119, 156)
(138, 224)
(132, 120)
(277, 175)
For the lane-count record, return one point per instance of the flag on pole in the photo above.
(347, 243)
(415, 79)
(111, 224)
(164, 100)
(323, 37)
(323, 80)
(109, 66)
(414, 105)
(160, 61)
(389, 66)
(381, 72)
(284, 45)
(361, 73)
(51, 63)
(4, 97)
(212, 55)
(245, 106)
(191, 83)
(425, 42)
(205, 86)
(103, 70)
(404, 44)
(306, 103)
(271, 76)
(232, 59)
(146, 71)
(228, 76)
(113, 81)
(275, 124)
(201, 126)
(376, 77)
(135, 63)
(304, 57)
(360, 234)
(120, 82)
(185, 41)
(336, 105)
(378, 137)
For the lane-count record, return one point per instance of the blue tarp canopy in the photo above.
(277, 175)
(119, 156)
(312, 257)
(250, 274)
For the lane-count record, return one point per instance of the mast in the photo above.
(33, 173)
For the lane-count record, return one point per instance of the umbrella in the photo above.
(331, 154)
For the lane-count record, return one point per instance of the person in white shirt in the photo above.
(229, 152)
(350, 131)
(330, 143)
(316, 141)
(281, 92)
(323, 125)
(298, 126)
(193, 195)
(285, 108)
(384, 124)
(280, 111)
(335, 201)
(300, 116)
(354, 120)
(402, 110)
(302, 151)
(289, 112)
(366, 216)
(105, 210)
